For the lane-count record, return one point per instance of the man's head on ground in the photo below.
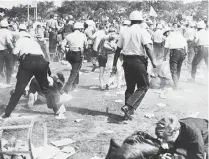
(167, 129)
(136, 17)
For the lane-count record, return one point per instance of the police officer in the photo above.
(201, 41)
(135, 45)
(32, 63)
(6, 46)
(177, 45)
(77, 42)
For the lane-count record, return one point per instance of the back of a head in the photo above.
(4, 23)
(166, 126)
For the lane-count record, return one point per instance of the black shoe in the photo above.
(127, 112)
(4, 115)
(107, 87)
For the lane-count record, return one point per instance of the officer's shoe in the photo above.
(4, 115)
(128, 112)
(60, 113)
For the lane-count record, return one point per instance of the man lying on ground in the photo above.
(190, 134)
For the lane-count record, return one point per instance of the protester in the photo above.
(176, 44)
(190, 134)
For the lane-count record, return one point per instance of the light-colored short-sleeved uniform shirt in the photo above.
(132, 40)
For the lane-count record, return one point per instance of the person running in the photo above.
(77, 43)
(136, 45)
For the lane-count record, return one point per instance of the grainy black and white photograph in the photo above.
(104, 79)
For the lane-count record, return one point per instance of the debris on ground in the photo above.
(96, 157)
(108, 132)
(78, 120)
(149, 115)
(93, 87)
(161, 105)
(69, 150)
(118, 101)
(62, 142)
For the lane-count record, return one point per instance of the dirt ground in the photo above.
(101, 113)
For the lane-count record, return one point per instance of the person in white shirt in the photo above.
(77, 43)
(176, 44)
(190, 37)
(202, 43)
(97, 37)
(31, 63)
(158, 41)
(6, 46)
(136, 45)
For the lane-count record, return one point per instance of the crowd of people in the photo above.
(130, 46)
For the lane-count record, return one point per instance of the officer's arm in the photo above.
(9, 42)
(117, 55)
(166, 48)
(150, 54)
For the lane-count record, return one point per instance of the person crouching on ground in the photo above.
(190, 134)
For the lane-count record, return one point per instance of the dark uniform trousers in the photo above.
(6, 59)
(75, 59)
(135, 70)
(191, 51)
(177, 56)
(30, 65)
(52, 40)
(202, 53)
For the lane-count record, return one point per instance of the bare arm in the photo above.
(117, 55)
(150, 54)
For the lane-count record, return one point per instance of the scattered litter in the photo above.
(161, 105)
(125, 122)
(62, 142)
(61, 116)
(93, 87)
(108, 132)
(80, 73)
(118, 101)
(149, 115)
(84, 61)
(62, 155)
(53, 68)
(79, 120)
(69, 150)
(49, 152)
(96, 78)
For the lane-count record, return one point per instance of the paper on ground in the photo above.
(108, 132)
(48, 152)
(118, 101)
(149, 115)
(95, 157)
(194, 115)
(69, 150)
(62, 142)
(161, 105)
(79, 120)
(62, 155)
(93, 87)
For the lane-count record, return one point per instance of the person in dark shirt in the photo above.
(190, 134)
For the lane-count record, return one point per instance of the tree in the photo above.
(44, 8)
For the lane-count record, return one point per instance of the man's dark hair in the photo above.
(51, 16)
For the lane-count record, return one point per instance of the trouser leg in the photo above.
(196, 60)
(23, 77)
(142, 81)
(9, 63)
(130, 80)
(2, 53)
